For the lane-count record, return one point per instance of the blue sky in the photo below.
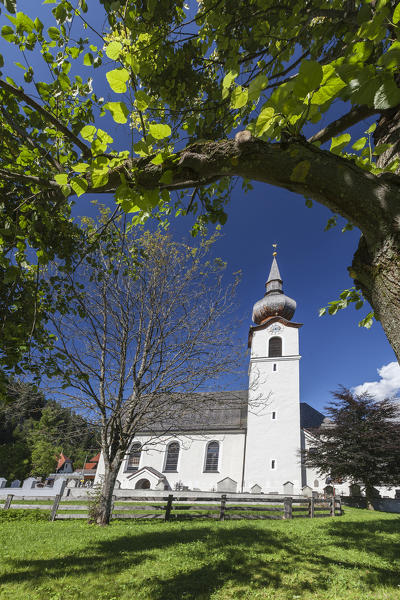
(313, 264)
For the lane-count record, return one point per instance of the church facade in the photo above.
(243, 441)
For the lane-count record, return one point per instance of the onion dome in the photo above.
(275, 302)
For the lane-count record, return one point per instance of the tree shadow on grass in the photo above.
(203, 559)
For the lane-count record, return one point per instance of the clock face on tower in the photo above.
(275, 328)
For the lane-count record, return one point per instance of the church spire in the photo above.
(274, 281)
(275, 302)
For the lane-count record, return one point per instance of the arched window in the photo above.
(134, 457)
(316, 483)
(212, 455)
(275, 346)
(171, 459)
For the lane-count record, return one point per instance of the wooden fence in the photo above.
(169, 508)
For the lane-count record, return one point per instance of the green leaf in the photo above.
(396, 14)
(338, 143)
(117, 79)
(88, 132)
(159, 131)
(359, 144)
(239, 97)
(257, 86)
(53, 33)
(371, 128)
(309, 77)
(265, 120)
(142, 100)
(113, 50)
(328, 90)
(7, 33)
(99, 178)
(167, 177)
(118, 110)
(227, 82)
(79, 185)
(132, 61)
(387, 95)
(367, 322)
(88, 59)
(300, 171)
(61, 178)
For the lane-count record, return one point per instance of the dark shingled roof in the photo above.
(310, 417)
(214, 411)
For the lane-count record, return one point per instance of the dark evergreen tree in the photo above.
(361, 443)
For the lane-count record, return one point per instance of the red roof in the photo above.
(63, 459)
(93, 463)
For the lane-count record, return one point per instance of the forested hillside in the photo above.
(34, 430)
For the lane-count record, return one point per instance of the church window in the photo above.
(275, 346)
(274, 415)
(273, 464)
(274, 367)
(316, 483)
(172, 455)
(212, 455)
(134, 457)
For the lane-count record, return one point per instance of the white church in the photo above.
(245, 441)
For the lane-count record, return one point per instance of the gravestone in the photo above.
(117, 485)
(15, 484)
(72, 483)
(227, 485)
(288, 488)
(59, 485)
(29, 483)
(256, 489)
(3, 482)
(306, 490)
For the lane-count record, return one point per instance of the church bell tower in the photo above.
(273, 423)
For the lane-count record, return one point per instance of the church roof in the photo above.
(204, 412)
(219, 411)
(310, 418)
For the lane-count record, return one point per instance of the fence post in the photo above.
(8, 501)
(287, 508)
(333, 506)
(112, 506)
(54, 509)
(311, 507)
(222, 508)
(168, 507)
(339, 506)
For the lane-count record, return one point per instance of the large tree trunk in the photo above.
(376, 271)
(101, 512)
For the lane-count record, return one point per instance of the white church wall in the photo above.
(191, 461)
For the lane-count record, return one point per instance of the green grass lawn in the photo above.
(354, 557)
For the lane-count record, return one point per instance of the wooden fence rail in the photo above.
(169, 508)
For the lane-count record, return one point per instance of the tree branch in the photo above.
(368, 201)
(19, 93)
(354, 116)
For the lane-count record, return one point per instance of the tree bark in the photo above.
(101, 513)
(376, 271)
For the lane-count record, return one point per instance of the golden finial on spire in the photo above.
(274, 247)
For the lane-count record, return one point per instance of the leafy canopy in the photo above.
(168, 75)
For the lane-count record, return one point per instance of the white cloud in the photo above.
(388, 386)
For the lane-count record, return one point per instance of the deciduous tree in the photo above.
(181, 82)
(148, 324)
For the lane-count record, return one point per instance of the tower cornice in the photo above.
(264, 324)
